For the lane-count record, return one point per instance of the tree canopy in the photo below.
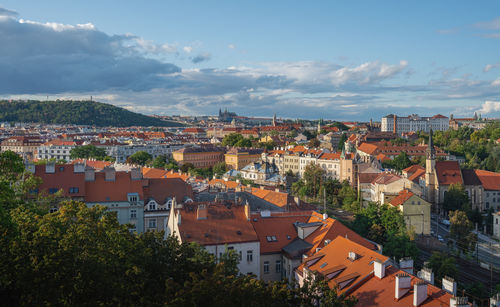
(76, 113)
(89, 152)
(140, 158)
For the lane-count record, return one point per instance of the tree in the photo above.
(219, 169)
(442, 265)
(313, 176)
(347, 196)
(89, 152)
(232, 139)
(461, 231)
(140, 158)
(160, 161)
(186, 167)
(401, 161)
(456, 198)
(343, 139)
(314, 143)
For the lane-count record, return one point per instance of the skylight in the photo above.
(323, 265)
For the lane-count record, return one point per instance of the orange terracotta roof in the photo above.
(330, 230)
(193, 130)
(280, 225)
(448, 172)
(382, 157)
(335, 255)
(368, 148)
(101, 190)
(63, 178)
(415, 176)
(95, 164)
(330, 156)
(228, 184)
(279, 199)
(402, 197)
(222, 226)
(381, 292)
(489, 180)
(412, 169)
(153, 172)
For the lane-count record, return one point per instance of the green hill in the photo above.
(76, 113)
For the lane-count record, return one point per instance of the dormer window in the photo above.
(152, 205)
(133, 197)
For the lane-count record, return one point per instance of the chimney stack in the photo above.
(403, 285)
(247, 211)
(449, 285)
(379, 268)
(109, 173)
(406, 264)
(201, 213)
(419, 293)
(89, 173)
(136, 173)
(427, 275)
(50, 167)
(459, 301)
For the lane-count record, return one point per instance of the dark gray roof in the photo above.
(296, 248)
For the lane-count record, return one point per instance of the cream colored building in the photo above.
(416, 211)
(239, 158)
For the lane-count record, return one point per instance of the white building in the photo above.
(122, 152)
(496, 225)
(414, 123)
(55, 149)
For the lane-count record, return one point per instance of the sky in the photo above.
(339, 60)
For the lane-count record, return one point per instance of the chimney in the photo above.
(419, 293)
(427, 275)
(459, 301)
(89, 173)
(325, 216)
(327, 241)
(403, 285)
(109, 173)
(50, 168)
(135, 173)
(276, 190)
(352, 256)
(449, 285)
(201, 212)
(394, 128)
(247, 211)
(78, 168)
(379, 268)
(406, 264)
(297, 200)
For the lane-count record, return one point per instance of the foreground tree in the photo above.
(461, 231)
(140, 158)
(456, 198)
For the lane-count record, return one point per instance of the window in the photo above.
(74, 190)
(249, 256)
(53, 190)
(266, 267)
(133, 198)
(278, 266)
(241, 255)
(152, 206)
(61, 169)
(133, 214)
(152, 223)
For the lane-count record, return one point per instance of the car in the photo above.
(440, 239)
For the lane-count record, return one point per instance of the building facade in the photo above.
(402, 124)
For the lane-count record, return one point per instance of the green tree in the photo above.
(160, 161)
(232, 139)
(343, 139)
(461, 231)
(456, 198)
(401, 161)
(313, 177)
(219, 169)
(442, 265)
(89, 152)
(140, 158)
(314, 143)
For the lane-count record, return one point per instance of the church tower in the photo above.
(319, 125)
(274, 120)
(430, 170)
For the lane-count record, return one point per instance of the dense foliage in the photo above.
(81, 256)
(479, 147)
(140, 158)
(75, 112)
(385, 225)
(399, 163)
(89, 152)
(236, 140)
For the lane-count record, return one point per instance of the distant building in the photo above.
(399, 125)
(24, 146)
(416, 211)
(56, 150)
(200, 157)
(237, 158)
(226, 116)
(496, 225)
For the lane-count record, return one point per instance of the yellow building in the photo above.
(239, 158)
(416, 211)
(200, 157)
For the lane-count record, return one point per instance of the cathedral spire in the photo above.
(431, 151)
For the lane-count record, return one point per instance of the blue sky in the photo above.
(341, 60)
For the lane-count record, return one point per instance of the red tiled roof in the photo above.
(95, 164)
(367, 177)
(331, 230)
(402, 197)
(439, 116)
(489, 180)
(368, 148)
(279, 199)
(448, 172)
(412, 169)
(161, 189)
(330, 156)
(222, 226)
(385, 178)
(415, 176)
(335, 254)
(63, 178)
(279, 225)
(101, 190)
(381, 292)
(193, 130)
(228, 184)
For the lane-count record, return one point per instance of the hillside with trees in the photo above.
(75, 112)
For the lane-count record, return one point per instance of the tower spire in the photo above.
(431, 151)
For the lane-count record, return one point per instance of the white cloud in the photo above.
(489, 107)
(491, 25)
(496, 82)
(231, 46)
(187, 49)
(202, 57)
(7, 13)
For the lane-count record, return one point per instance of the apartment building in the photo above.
(402, 124)
(200, 157)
